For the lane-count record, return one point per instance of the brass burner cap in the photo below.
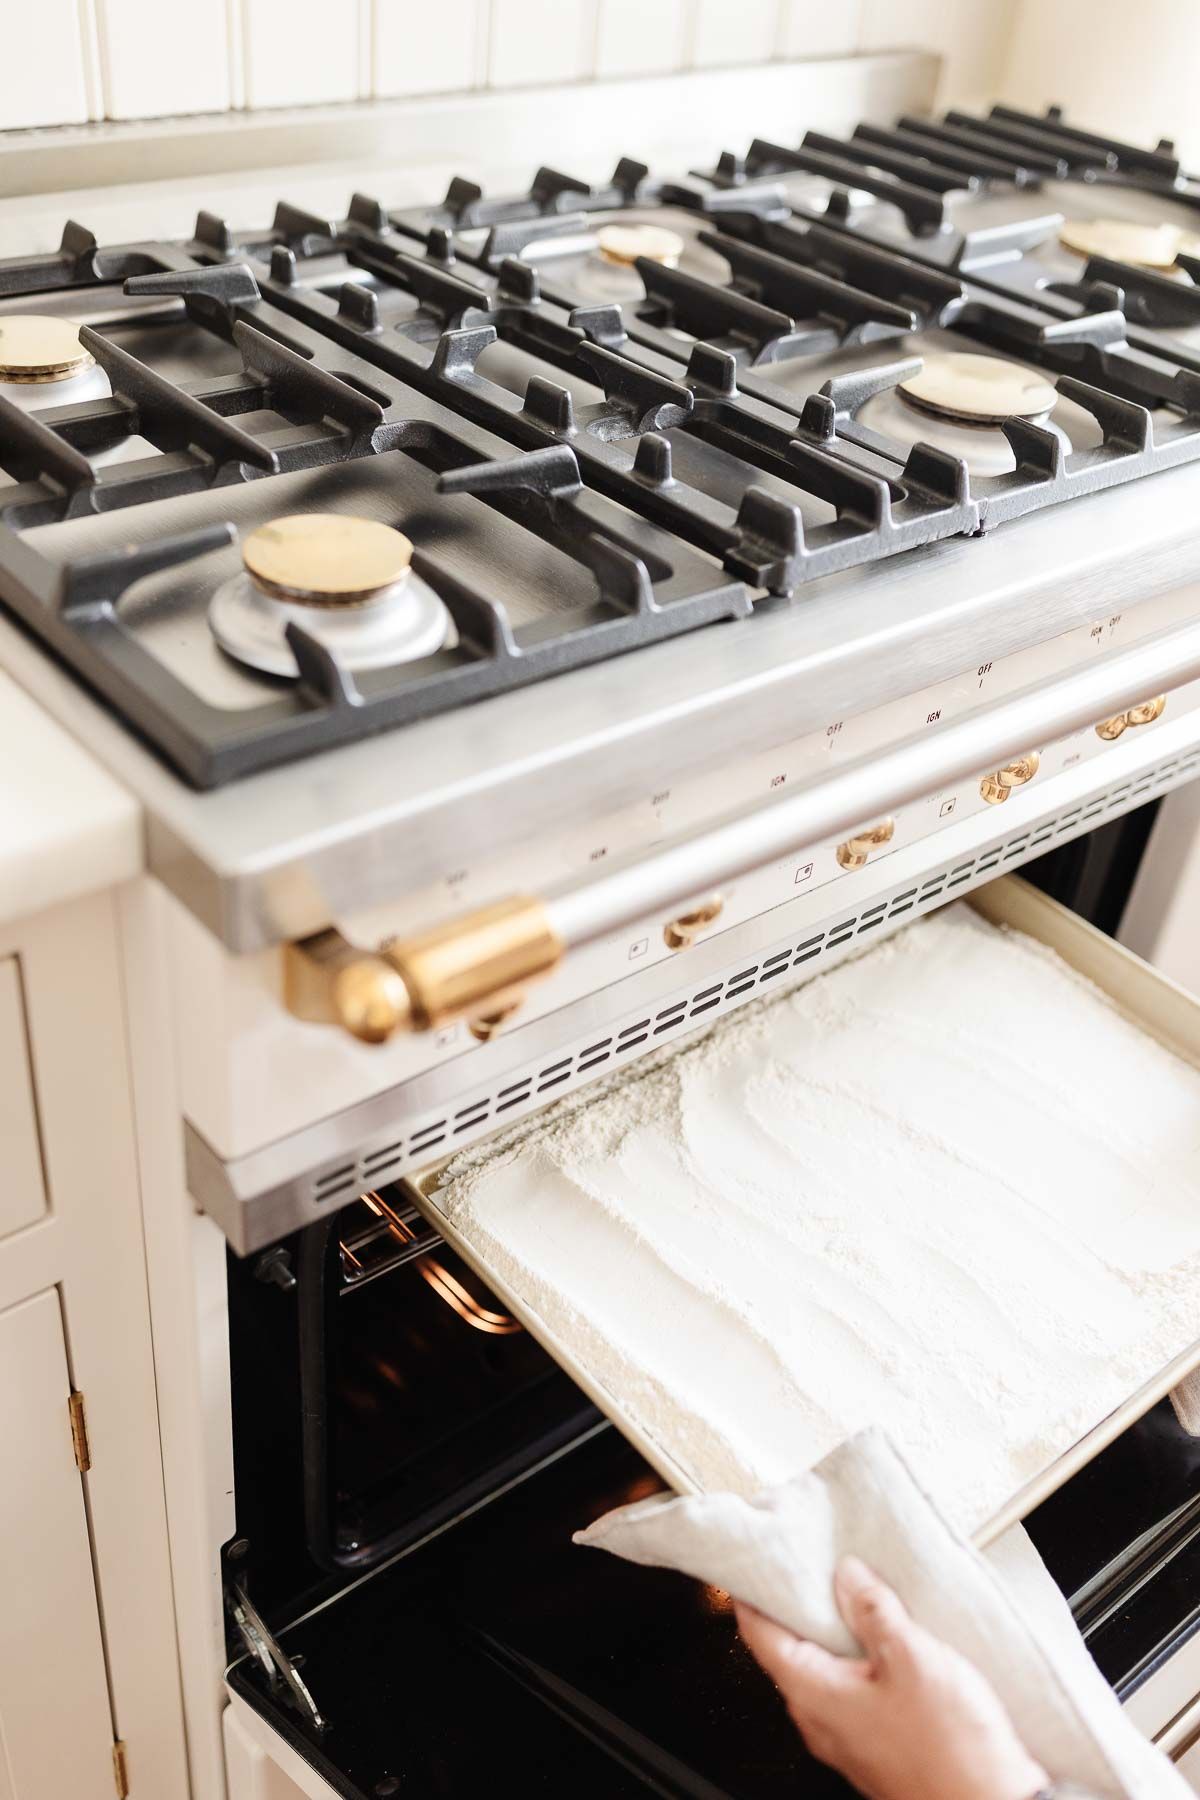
(326, 559)
(625, 243)
(1123, 240)
(40, 349)
(983, 390)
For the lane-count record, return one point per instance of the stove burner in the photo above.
(625, 243)
(326, 559)
(40, 349)
(958, 402)
(1123, 240)
(43, 363)
(346, 582)
(977, 390)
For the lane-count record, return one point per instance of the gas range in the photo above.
(534, 626)
(708, 462)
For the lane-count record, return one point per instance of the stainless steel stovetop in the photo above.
(687, 494)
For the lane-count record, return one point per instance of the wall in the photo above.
(129, 59)
(1135, 79)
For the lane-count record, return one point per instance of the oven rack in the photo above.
(399, 1132)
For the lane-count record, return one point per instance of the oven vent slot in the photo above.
(540, 1085)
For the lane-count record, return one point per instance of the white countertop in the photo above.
(66, 827)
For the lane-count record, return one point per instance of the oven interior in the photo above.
(410, 1465)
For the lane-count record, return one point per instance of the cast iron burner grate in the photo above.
(581, 474)
(943, 190)
(842, 292)
(471, 500)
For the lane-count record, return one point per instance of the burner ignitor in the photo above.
(347, 582)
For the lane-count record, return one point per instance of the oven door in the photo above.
(498, 1653)
(410, 1465)
(498, 1647)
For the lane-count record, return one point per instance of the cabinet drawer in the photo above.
(22, 1189)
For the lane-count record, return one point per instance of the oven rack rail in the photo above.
(254, 1207)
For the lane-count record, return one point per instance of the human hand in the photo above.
(913, 1720)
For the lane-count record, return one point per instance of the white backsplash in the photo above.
(1135, 75)
(131, 59)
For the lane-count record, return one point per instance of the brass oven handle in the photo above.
(480, 966)
(476, 966)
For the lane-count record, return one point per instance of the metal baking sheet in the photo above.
(1161, 1008)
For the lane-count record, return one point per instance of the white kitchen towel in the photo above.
(1185, 1398)
(779, 1550)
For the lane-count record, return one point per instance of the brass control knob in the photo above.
(855, 851)
(996, 788)
(1144, 713)
(679, 933)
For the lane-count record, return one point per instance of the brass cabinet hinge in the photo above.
(79, 1433)
(120, 1770)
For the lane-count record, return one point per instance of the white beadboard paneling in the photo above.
(819, 27)
(537, 41)
(735, 31)
(300, 52)
(159, 58)
(46, 85)
(411, 58)
(971, 39)
(90, 41)
(641, 37)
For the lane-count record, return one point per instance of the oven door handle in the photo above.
(479, 966)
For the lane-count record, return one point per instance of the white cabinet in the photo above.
(56, 1733)
(87, 1632)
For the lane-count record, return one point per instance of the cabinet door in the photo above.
(55, 1726)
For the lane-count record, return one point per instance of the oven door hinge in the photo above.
(120, 1769)
(79, 1433)
(282, 1673)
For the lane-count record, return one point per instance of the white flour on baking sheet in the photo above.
(946, 1188)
